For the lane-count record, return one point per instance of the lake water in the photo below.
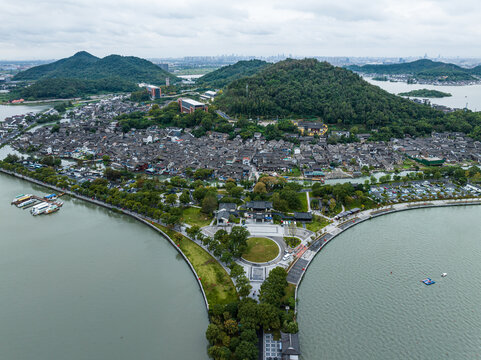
(461, 95)
(10, 110)
(352, 307)
(86, 283)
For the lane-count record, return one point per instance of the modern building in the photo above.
(189, 105)
(164, 66)
(209, 95)
(154, 91)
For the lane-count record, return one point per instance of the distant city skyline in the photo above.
(53, 29)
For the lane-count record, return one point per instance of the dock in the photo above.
(51, 199)
(52, 202)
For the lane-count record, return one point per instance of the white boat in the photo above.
(40, 208)
(51, 209)
(25, 203)
(444, 274)
(22, 198)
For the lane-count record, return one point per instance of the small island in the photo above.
(426, 93)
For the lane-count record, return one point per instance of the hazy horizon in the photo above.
(306, 28)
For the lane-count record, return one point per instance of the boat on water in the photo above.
(51, 209)
(21, 199)
(50, 197)
(25, 203)
(428, 281)
(40, 208)
(444, 274)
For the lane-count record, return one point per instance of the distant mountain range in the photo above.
(423, 69)
(226, 74)
(84, 74)
(85, 66)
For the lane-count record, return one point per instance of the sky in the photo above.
(52, 29)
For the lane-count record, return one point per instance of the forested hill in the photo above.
(85, 66)
(307, 88)
(422, 69)
(225, 75)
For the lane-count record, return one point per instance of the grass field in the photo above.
(260, 250)
(217, 284)
(318, 222)
(193, 216)
(303, 199)
(290, 292)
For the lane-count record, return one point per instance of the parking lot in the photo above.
(422, 190)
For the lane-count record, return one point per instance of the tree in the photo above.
(231, 327)
(274, 287)
(221, 236)
(209, 204)
(268, 316)
(171, 199)
(106, 159)
(332, 204)
(246, 351)
(193, 231)
(238, 240)
(213, 333)
(243, 286)
(112, 174)
(184, 198)
(260, 188)
(11, 158)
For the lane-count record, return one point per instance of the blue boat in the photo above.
(428, 281)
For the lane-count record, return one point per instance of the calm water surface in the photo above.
(461, 95)
(10, 110)
(351, 307)
(85, 283)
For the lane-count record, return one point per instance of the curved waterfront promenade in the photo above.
(146, 220)
(297, 271)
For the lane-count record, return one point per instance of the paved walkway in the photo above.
(338, 226)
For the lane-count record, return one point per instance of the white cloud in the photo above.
(53, 28)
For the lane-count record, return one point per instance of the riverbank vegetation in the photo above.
(217, 284)
(232, 333)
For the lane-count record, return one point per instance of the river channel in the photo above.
(352, 307)
(86, 283)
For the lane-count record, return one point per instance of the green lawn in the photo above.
(303, 199)
(260, 250)
(292, 241)
(318, 222)
(193, 216)
(217, 284)
(290, 292)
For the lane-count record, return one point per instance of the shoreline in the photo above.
(326, 237)
(124, 212)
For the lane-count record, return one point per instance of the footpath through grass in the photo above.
(216, 282)
(193, 216)
(260, 249)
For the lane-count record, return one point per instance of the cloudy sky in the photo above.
(46, 29)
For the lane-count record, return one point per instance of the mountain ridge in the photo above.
(85, 66)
